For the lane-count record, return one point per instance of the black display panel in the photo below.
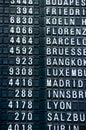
(42, 65)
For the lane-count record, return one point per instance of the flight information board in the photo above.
(42, 65)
